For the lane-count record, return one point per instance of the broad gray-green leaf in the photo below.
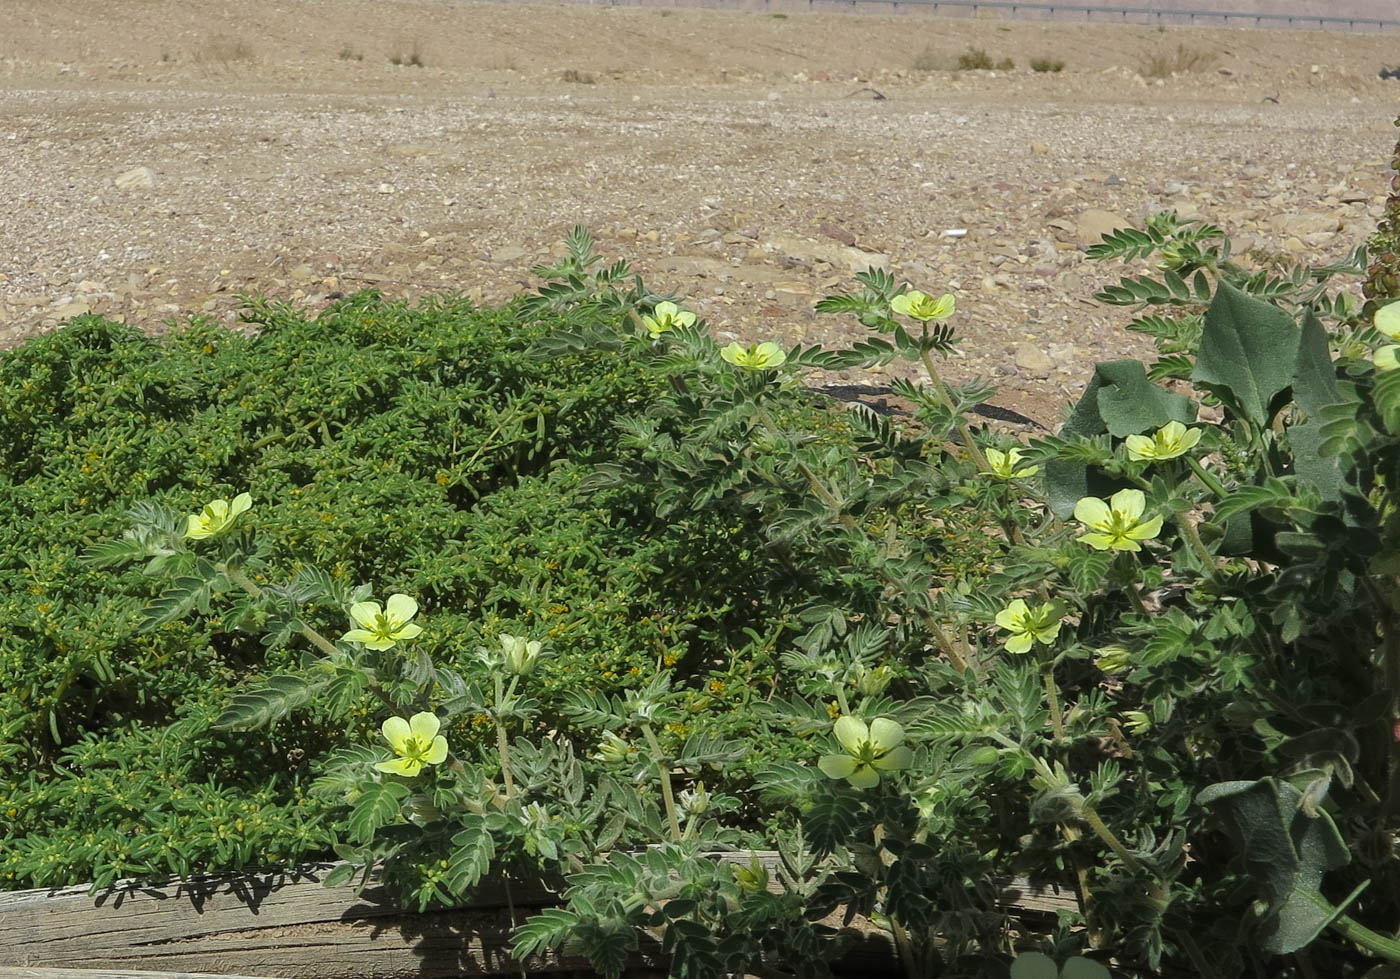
(1082, 968)
(1287, 853)
(1034, 965)
(1248, 352)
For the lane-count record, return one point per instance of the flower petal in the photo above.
(424, 725)
(864, 777)
(851, 732)
(1092, 511)
(358, 635)
(1388, 320)
(836, 766)
(437, 752)
(885, 734)
(1129, 503)
(241, 504)
(1013, 615)
(666, 310)
(900, 757)
(407, 767)
(401, 608)
(1019, 643)
(364, 613)
(1101, 542)
(396, 731)
(1147, 530)
(409, 631)
(1140, 447)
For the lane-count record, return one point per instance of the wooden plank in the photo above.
(276, 924)
(7, 972)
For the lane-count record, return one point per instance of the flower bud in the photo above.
(520, 654)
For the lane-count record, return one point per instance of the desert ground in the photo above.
(158, 160)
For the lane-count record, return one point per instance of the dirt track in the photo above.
(156, 161)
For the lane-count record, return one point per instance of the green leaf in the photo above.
(1082, 968)
(1385, 395)
(1274, 493)
(377, 806)
(832, 821)
(1248, 353)
(549, 929)
(473, 850)
(278, 697)
(1287, 853)
(1034, 965)
(186, 593)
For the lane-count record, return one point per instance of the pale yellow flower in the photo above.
(417, 743)
(1116, 525)
(1029, 626)
(380, 629)
(869, 750)
(923, 307)
(1385, 358)
(759, 357)
(1003, 465)
(1168, 442)
(666, 317)
(216, 517)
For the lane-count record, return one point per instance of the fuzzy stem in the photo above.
(841, 698)
(1205, 477)
(667, 796)
(1193, 537)
(502, 742)
(963, 431)
(1052, 695)
(1386, 948)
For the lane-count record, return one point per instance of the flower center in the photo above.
(416, 748)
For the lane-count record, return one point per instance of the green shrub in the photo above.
(1047, 64)
(975, 59)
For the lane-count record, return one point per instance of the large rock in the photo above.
(1306, 223)
(1091, 225)
(136, 178)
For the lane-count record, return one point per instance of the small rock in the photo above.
(136, 178)
(1033, 360)
(1038, 148)
(508, 253)
(384, 189)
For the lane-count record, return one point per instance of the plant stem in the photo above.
(247, 584)
(1205, 477)
(1052, 695)
(1386, 948)
(963, 431)
(502, 742)
(667, 796)
(1101, 830)
(841, 698)
(1193, 537)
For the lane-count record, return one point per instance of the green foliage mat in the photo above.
(421, 449)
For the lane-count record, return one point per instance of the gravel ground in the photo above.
(156, 163)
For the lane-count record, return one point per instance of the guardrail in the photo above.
(1151, 13)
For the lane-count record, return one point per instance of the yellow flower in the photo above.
(1029, 626)
(1171, 440)
(1385, 358)
(666, 317)
(417, 743)
(759, 357)
(1003, 464)
(923, 307)
(1136, 721)
(1388, 320)
(216, 517)
(1114, 659)
(869, 750)
(381, 629)
(1117, 524)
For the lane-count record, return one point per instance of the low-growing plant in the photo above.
(348, 53)
(225, 51)
(1153, 659)
(975, 59)
(1178, 62)
(413, 59)
(1047, 65)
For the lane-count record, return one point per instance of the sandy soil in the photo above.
(157, 160)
